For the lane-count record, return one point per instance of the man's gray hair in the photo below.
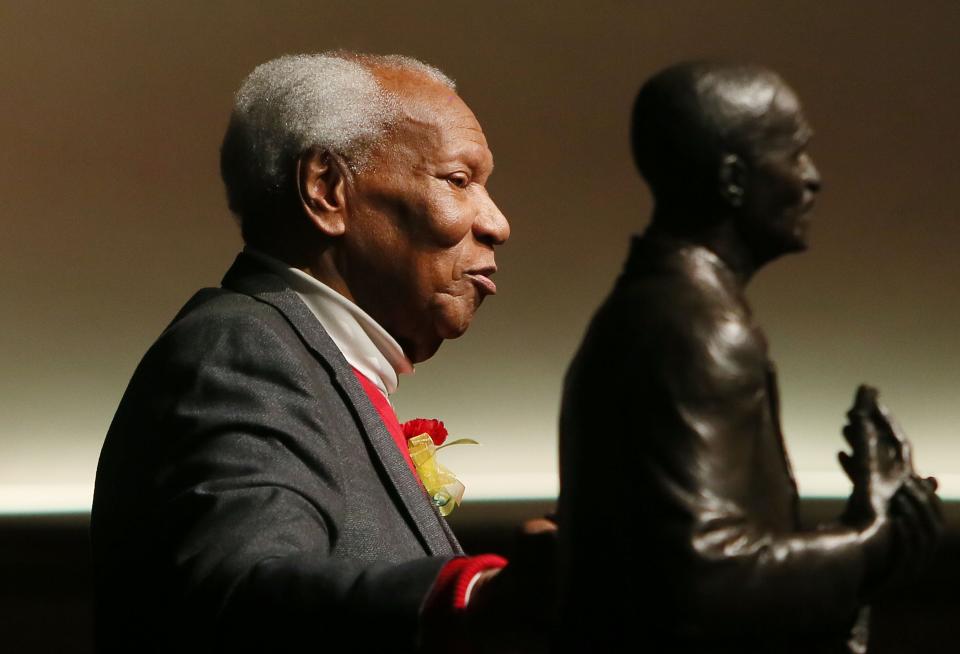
(331, 101)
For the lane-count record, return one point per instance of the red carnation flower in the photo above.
(417, 426)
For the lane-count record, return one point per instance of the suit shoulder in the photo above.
(224, 306)
(219, 322)
(220, 309)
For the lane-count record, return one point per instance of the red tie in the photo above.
(380, 403)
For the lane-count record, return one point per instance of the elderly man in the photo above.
(255, 492)
(670, 426)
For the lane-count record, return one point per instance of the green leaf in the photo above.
(459, 441)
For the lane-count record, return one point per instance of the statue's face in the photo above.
(781, 180)
(421, 231)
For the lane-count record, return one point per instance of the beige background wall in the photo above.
(112, 212)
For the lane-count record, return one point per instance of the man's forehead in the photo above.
(435, 112)
(414, 90)
(433, 103)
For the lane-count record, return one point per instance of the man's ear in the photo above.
(733, 177)
(321, 183)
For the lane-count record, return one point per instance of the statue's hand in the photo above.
(916, 516)
(898, 513)
(880, 461)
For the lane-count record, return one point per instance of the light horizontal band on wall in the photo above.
(33, 499)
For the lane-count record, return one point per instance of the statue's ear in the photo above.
(732, 178)
(321, 183)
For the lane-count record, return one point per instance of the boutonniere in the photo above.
(424, 439)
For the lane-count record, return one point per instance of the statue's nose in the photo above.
(811, 176)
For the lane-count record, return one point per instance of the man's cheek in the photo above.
(451, 222)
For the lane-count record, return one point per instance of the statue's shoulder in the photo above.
(681, 303)
(675, 282)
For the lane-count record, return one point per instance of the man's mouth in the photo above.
(481, 279)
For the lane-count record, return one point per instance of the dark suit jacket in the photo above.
(249, 497)
(675, 481)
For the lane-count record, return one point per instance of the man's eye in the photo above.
(460, 180)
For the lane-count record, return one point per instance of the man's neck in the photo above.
(319, 263)
(323, 268)
(366, 345)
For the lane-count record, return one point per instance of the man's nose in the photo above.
(491, 226)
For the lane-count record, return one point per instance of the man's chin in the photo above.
(424, 348)
(457, 329)
(421, 354)
(447, 326)
(455, 318)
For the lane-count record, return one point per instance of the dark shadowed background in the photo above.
(112, 213)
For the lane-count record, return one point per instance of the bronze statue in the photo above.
(678, 506)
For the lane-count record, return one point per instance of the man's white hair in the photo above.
(330, 101)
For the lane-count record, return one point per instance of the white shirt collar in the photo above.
(365, 344)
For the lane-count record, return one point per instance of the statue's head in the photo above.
(727, 142)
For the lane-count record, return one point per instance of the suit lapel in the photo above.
(248, 277)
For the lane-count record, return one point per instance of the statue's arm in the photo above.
(747, 578)
(745, 567)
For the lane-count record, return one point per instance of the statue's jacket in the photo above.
(249, 496)
(678, 506)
